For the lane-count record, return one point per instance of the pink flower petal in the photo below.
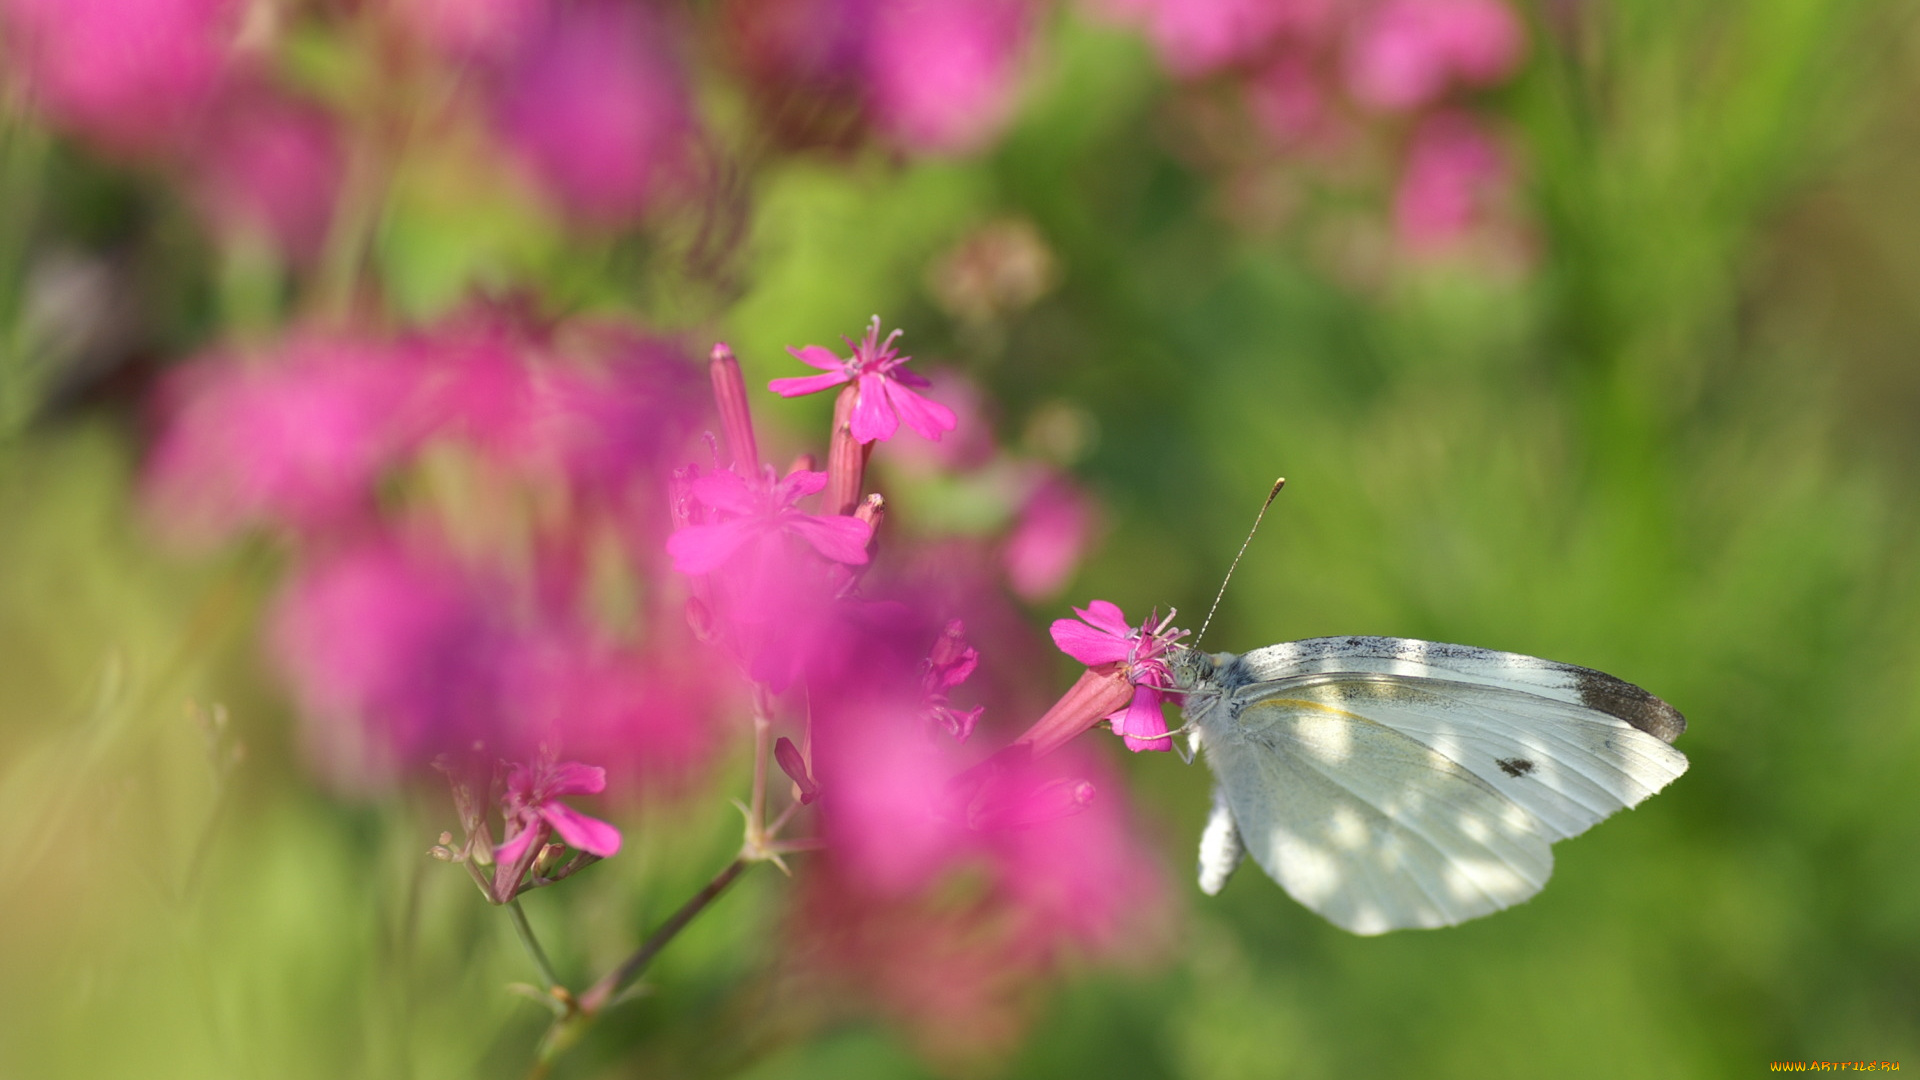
(520, 784)
(842, 539)
(701, 549)
(926, 417)
(581, 832)
(510, 852)
(821, 357)
(724, 491)
(908, 378)
(1087, 645)
(573, 778)
(1143, 726)
(799, 484)
(1106, 615)
(873, 415)
(807, 384)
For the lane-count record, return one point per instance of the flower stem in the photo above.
(762, 743)
(616, 980)
(525, 930)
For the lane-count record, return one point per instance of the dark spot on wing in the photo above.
(1515, 766)
(1615, 697)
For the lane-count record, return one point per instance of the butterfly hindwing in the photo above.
(1367, 827)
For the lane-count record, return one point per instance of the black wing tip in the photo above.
(1620, 698)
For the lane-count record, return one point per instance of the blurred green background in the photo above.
(1680, 449)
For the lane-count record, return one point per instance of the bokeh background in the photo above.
(1643, 400)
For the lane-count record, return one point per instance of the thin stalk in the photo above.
(762, 745)
(525, 930)
(616, 980)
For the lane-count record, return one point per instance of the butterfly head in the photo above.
(1191, 667)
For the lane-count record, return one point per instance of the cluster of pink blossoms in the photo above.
(1326, 86)
(444, 499)
(857, 650)
(449, 500)
(591, 98)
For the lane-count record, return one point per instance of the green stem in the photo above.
(525, 930)
(616, 980)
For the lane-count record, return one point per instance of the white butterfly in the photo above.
(1388, 783)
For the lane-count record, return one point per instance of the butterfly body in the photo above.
(1387, 783)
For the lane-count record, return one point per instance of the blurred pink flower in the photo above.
(296, 439)
(596, 105)
(270, 165)
(471, 29)
(532, 804)
(1405, 53)
(1454, 169)
(647, 713)
(599, 415)
(950, 938)
(1102, 637)
(818, 42)
(1196, 37)
(1286, 98)
(1081, 876)
(133, 74)
(1050, 534)
(756, 514)
(394, 657)
(948, 665)
(884, 386)
(942, 74)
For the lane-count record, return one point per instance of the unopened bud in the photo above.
(730, 394)
(795, 766)
(846, 457)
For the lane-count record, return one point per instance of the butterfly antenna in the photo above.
(1271, 495)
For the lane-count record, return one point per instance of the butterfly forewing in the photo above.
(1566, 766)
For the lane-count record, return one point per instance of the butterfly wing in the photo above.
(1384, 800)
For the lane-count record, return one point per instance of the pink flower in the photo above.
(531, 805)
(756, 514)
(645, 712)
(1454, 170)
(1406, 52)
(943, 920)
(135, 74)
(272, 166)
(884, 387)
(1139, 655)
(941, 74)
(946, 667)
(471, 29)
(1195, 37)
(1050, 535)
(598, 109)
(394, 657)
(597, 416)
(296, 439)
(1286, 98)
